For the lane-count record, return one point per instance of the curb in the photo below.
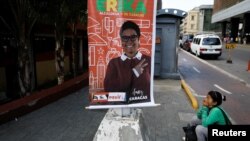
(193, 100)
(38, 99)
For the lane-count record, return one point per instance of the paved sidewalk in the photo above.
(67, 120)
(63, 120)
(245, 46)
(166, 121)
(240, 58)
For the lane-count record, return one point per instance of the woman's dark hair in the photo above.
(217, 97)
(130, 25)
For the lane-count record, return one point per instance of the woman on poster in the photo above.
(130, 73)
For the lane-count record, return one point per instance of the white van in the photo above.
(207, 44)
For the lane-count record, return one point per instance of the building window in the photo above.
(198, 42)
(192, 18)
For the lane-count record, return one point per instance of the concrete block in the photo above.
(122, 125)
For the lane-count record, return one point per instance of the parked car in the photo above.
(187, 45)
(186, 41)
(207, 44)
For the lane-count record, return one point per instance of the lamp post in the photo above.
(159, 4)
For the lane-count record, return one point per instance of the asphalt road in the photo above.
(240, 58)
(202, 78)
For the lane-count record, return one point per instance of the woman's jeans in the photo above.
(200, 130)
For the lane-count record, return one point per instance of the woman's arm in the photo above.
(210, 118)
(199, 112)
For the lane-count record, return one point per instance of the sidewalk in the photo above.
(64, 120)
(245, 46)
(166, 121)
(67, 119)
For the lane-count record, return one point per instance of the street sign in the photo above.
(230, 46)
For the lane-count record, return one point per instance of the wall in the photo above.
(224, 4)
(189, 22)
(205, 22)
(2, 79)
(46, 70)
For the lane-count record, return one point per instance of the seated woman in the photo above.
(209, 114)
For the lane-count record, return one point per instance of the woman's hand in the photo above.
(140, 66)
(205, 103)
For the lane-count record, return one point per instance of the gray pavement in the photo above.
(67, 120)
(240, 58)
(166, 121)
(64, 120)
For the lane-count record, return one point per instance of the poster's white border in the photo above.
(152, 101)
(139, 105)
(153, 54)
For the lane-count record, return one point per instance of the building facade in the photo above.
(190, 24)
(199, 20)
(205, 19)
(234, 17)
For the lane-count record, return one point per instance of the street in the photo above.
(240, 58)
(203, 78)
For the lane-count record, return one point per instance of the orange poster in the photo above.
(121, 45)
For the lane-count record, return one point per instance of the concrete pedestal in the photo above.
(122, 125)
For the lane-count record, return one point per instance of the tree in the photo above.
(20, 19)
(64, 14)
(58, 13)
(78, 16)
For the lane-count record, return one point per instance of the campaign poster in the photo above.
(121, 53)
